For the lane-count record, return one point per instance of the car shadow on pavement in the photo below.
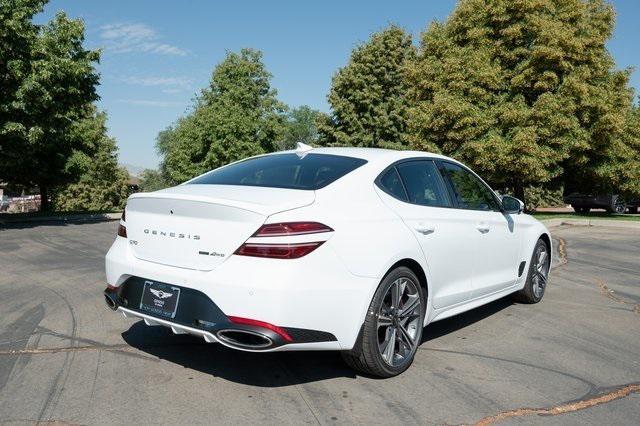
(449, 325)
(271, 369)
(274, 369)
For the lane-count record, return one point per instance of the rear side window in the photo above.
(293, 171)
(391, 184)
(424, 184)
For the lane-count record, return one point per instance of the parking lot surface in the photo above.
(64, 357)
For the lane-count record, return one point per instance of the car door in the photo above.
(414, 189)
(497, 259)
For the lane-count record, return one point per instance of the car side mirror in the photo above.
(512, 205)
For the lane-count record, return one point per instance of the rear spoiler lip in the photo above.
(262, 209)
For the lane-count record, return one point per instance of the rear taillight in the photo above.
(283, 250)
(290, 229)
(278, 251)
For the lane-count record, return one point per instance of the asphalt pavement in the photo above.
(64, 357)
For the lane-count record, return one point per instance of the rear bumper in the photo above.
(315, 292)
(200, 316)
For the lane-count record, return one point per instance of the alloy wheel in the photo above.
(399, 322)
(540, 270)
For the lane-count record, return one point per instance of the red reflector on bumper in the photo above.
(256, 323)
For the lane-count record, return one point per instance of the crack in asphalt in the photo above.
(562, 251)
(40, 422)
(619, 392)
(606, 291)
(37, 351)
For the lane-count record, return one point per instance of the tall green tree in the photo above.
(367, 97)
(152, 180)
(102, 184)
(47, 79)
(525, 91)
(237, 116)
(300, 126)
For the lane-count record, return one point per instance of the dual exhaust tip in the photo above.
(244, 339)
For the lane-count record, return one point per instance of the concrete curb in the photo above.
(552, 223)
(80, 217)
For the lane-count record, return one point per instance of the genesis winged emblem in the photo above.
(161, 294)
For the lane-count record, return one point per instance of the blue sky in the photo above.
(158, 54)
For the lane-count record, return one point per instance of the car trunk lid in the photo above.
(200, 226)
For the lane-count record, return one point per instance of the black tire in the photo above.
(366, 355)
(530, 293)
(620, 208)
(582, 209)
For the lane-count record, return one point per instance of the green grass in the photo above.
(595, 215)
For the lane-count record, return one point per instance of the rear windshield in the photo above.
(293, 171)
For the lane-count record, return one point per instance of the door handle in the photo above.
(483, 228)
(425, 229)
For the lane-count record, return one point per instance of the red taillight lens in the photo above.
(122, 231)
(256, 323)
(290, 229)
(278, 251)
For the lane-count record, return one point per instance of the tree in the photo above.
(525, 91)
(300, 126)
(46, 81)
(237, 116)
(623, 165)
(102, 184)
(367, 97)
(152, 180)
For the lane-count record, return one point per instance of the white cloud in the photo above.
(158, 81)
(151, 103)
(127, 38)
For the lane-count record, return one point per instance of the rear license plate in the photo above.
(160, 299)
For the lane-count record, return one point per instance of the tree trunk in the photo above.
(44, 198)
(519, 193)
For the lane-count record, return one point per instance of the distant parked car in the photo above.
(4, 203)
(612, 203)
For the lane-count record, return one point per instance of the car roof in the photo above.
(371, 154)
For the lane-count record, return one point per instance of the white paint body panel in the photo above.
(331, 288)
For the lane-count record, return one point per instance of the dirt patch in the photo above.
(618, 393)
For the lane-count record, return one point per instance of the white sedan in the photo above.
(348, 249)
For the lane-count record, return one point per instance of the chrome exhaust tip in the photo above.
(244, 339)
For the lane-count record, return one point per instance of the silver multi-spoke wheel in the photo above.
(538, 275)
(399, 322)
(540, 270)
(392, 329)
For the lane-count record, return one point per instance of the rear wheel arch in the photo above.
(547, 240)
(417, 269)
